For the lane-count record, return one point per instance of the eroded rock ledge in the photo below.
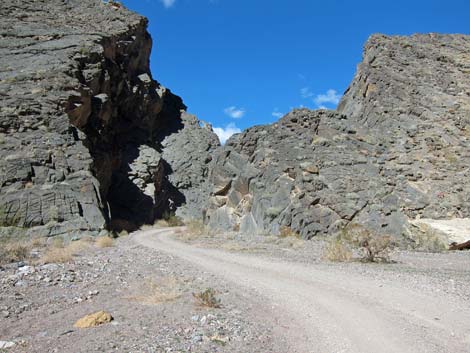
(88, 140)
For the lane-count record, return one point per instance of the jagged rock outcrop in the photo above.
(87, 137)
(398, 148)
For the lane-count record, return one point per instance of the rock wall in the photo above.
(397, 148)
(85, 132)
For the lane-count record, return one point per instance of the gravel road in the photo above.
(327, 310)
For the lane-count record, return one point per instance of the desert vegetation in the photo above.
(42, 251)
(428, 240)
(357, 242)
(159, 291)
(208, 298)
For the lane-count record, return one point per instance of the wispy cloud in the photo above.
(276, 113)
(306, 93)
(225, 133)
(234, 112)
(168, 3)
(331, 97)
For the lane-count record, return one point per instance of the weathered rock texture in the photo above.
(397, 148)
(87, 138)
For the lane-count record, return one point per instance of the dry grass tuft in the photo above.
(161, 223)
(294, 242)
(56, 255)
(19, 248)
(60, 253)
(207, 298)
(155, 292)
(104, 242)
(286, 232)
(337, 251)
(14, 251)
(195, 227)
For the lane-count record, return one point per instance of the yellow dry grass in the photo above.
(14, 251)
(58, 253)
(195, 227)
(159, 291)
(104, 242)
(337, 251)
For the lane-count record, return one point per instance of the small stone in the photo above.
(50, 267)
(196, 338)
(26, 270)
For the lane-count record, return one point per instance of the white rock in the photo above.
(26, 270)
(453, 230)
(6, 344)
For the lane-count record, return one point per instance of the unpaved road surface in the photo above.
(328, 311)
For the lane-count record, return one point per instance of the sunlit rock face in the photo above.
(396, 149)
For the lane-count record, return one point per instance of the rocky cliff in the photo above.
(396, 149)
(88, 140)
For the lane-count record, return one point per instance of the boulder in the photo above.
(93, 320)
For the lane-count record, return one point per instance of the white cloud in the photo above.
(225, 133)
(331, 97)
(234, 112)
(168, 3)
(306, 93)
(277, 114)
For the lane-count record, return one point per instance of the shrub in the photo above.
(355, 239)
(337, 250)
(12, 251)
(286, 232)
(195, 227)
(207, 298)
(104, 242)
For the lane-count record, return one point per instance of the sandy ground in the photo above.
(276, 297)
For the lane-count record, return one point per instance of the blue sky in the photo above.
(239, 63)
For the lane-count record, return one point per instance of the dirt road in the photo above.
(328, 311)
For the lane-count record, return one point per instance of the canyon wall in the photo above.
(87, 136)
(396, 149)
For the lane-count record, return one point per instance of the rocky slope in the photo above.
(87, 137)
(396, 149)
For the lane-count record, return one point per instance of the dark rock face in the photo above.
(398, 148)
(85, 132)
